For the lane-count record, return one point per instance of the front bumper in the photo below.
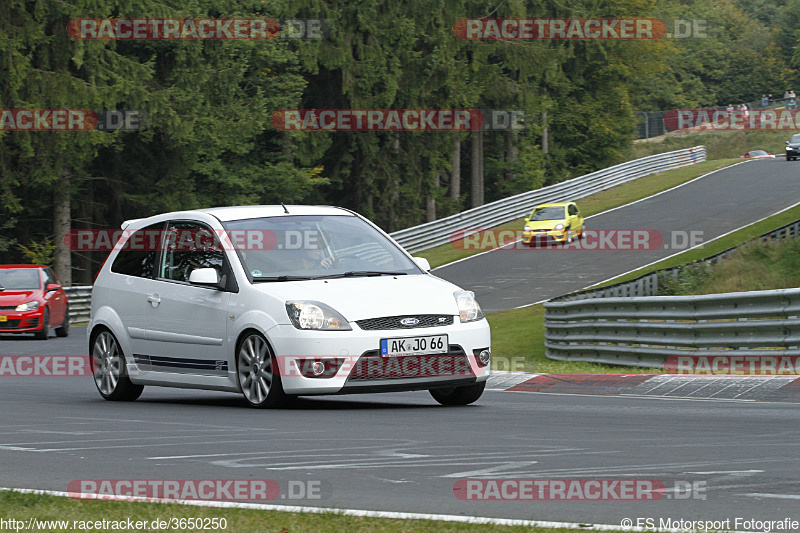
(550, 236)
(20, 321)
(353, 362)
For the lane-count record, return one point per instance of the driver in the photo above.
(314, 258)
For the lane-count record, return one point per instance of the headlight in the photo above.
(468, 308)
(559, 226)
(306, 314)
(528, 228)
(28, 306)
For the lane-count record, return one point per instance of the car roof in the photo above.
(242, 212)
(22, 266)
(258, 211)
(557, 204)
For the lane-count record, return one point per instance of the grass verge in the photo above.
(23, 507)
(756, 266)
(591, 205)
(719, 144)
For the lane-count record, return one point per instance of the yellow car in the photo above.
(561, 222)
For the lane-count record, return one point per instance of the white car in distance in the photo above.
(280, 301)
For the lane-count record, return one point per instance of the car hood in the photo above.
(10, 297)
(545, 224)
(373, 297)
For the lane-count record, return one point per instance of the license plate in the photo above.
(3, 318)
(414, 345)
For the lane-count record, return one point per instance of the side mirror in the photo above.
(423, 263)
(52, 287)
(208, 277)
(787, 142)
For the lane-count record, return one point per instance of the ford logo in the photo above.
(409, 321)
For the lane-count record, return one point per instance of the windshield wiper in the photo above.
(363, 273)
(282, 278)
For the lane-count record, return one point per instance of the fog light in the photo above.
(318, 368)
(485, 356)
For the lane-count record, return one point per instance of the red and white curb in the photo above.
(699, 387)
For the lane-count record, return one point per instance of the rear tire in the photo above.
(459, 395)
(44, 333)
(109, 371)
(63, 330)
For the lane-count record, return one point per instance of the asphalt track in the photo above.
(714, 205)
(402, 452)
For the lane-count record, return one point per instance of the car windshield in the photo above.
(548, 213)
(320, 246)
(795, 138)
(19, 278)
(758, 152)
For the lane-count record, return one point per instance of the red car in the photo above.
(32, 301)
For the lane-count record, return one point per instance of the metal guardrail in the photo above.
(495, 213)
(647, 284)
(645, 331)
(80, 303)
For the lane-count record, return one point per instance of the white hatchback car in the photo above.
(280, 301)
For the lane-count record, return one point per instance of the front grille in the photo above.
(371, 366)
(11, 323)
(7, 307)
(393, 322)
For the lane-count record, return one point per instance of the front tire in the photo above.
(109, 370)
(459, 395)
(63, 330)
(258, 373)
(44, 333)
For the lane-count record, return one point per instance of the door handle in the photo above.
(154, 299)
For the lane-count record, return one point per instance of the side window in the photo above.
(138, 256)
(573, 210)
(189, 246)
(49, 277)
